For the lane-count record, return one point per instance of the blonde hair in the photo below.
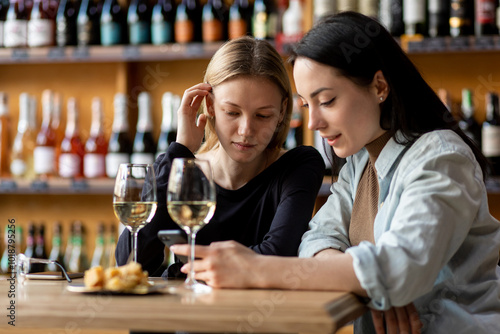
(246, 56)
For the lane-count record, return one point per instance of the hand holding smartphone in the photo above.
(173, 237)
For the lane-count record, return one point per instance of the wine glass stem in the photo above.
(134, 245)
(191, 241)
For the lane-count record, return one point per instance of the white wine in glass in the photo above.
(191, 199)
(134, 198)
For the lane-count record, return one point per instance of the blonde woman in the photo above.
(265, 194)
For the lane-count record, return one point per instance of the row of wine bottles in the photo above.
(72, 253)
(486, 135)
(426, 17)
(39, 152)
(45, 151)
(37, 23)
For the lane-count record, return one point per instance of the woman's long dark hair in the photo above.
(358, 46)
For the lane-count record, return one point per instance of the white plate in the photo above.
(141, 290)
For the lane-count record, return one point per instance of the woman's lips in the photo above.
(332, 141)
(243, 146)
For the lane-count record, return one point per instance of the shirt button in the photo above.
(381, 205)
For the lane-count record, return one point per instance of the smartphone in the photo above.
(173, 237)
(52, 275)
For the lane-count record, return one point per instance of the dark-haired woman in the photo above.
(407, 222)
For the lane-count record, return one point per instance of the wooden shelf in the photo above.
(419, 44)
(57, 186)
(93, 54)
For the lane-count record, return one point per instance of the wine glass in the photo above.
(134, 198)
(191, 199)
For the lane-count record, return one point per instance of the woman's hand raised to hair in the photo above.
(225, 264)
(397, 320)
(190, 129)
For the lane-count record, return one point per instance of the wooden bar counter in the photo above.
(49, 305)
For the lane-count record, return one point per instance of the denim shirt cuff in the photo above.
(367, 272)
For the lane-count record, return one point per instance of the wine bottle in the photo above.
(16, 24)
(56, 254)
(67, 14)
(391, 16)
(187, 27)
(168, 131)
(7, 262)
(144, 149)
(468, 123)
(42, 24)
(347, 5)
(99, 256)
(414, 12)
(322, 8)
(88, 23)
(24, 143)
(215, 18)
(439, 13)
(4, 7)
(461, 18)
(491, 133)
(44, 153)
(40, 252)
(79, 261)
(72, 149)
(110, 247)
(293, 19)
(5, 144)
(96, 146)
(162, 22)
(69, 247)
(113, 23)
(485, 23)
(368, 8)
(139, 22)
(120, 146)
(57, 126)
(30, 241)
(240, 19)
(295, 133)
(264, 20)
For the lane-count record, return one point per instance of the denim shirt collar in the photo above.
(390, 156)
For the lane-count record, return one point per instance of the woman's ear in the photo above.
(210, 105)
(381, 86)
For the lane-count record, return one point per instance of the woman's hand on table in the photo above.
(225, 264)
(190, 127)
(396, 320)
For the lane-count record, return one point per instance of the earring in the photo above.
(381, 98)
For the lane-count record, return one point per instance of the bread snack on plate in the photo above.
(124, 278)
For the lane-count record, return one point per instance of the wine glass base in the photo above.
(194, 288)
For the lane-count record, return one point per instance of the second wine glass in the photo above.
(134, 198)
(191, 200)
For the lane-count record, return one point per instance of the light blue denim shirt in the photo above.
(436, 243)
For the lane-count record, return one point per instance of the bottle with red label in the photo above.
(44, 154)
(215, 18)
(5, 144)
(96, 147)
(485, 23)
(72, 150)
